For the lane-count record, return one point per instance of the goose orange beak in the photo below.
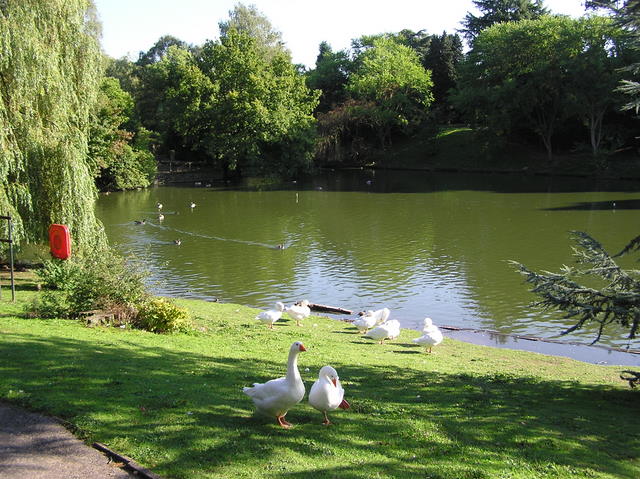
(335, 383)
(302, 348)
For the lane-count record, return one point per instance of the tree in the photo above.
(529, 88)
(440, 54)
(177, 95)
(262, 104)
(442, 59)
(390, 75)
(613, 293)
(596, 71)
(499, 11)
(330, 77)
(160, 49)
(256, 25)
(125, 71)
(118, 158)
(559, 70)
(627, 14)
(50, 72)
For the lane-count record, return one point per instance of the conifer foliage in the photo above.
(50, 71)
(613, 294)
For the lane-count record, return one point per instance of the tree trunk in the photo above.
(595, 130)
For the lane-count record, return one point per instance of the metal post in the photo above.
(10, 241)
(13, 285)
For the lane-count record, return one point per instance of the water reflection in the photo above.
(422, 244)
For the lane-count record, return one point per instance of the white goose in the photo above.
(394, 328)
(299, 311)
(274, 398)
(432, 336)
(381, 315)
(271, 315)
(327, 394)
(365, 322)
(388, 329)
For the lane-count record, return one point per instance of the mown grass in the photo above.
(174, 403)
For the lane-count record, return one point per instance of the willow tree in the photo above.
(50, 71)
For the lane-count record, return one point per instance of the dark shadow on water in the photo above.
(412, 181)
(599, 206)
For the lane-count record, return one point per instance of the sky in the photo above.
(131, 26)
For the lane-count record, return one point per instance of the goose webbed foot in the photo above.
(283, 422)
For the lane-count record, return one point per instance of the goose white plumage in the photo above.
(432, 336)
(327, 393)
(394, 328)
(271, 315)
(365, 323)
(299, 311)
(274, 398)
(388, 329)
(381, 315)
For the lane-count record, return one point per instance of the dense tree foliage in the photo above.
(378, 92)
(611, 294)
(627, 15)
(50, 71)
(119, 153)
(172, 99)
(250, 21)
(390, 75)
(499, 11)
(262, 104)
(442, 59)
(159, 50)
(440, 54)
(559, 69)
(330, 76)
(236, 102)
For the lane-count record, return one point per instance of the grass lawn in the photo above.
(174, 403)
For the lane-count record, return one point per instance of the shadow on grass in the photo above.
(184, 415)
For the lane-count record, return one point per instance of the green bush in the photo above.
(107, 282)
(103, 280)
(160, 315)
(56, 273)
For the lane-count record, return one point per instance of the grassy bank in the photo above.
(174, 403)
(462, 149)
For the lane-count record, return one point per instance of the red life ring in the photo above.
(60, 241)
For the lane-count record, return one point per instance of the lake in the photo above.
(421, 243)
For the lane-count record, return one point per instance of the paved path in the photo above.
(37, 447)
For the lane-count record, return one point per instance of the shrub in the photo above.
(56, 274)
(160, 315)
(103, 280)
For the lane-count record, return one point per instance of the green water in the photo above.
(422, 244)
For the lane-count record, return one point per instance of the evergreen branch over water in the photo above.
(616, 301)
